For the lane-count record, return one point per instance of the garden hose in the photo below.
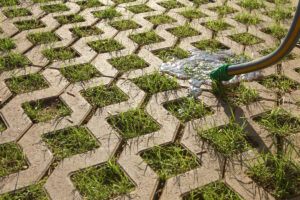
(226, 71)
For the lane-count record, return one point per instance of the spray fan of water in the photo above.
(198, 66)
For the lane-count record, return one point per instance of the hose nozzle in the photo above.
(220, 74)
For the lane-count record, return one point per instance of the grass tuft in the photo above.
(146, 38)
(170, 4)
(42, 38)
(276, 31)
(108, 13)
(247, 18)
(252, 4)
(29, 24)
(89, 4)
(55, 8)
(123, 25)
(171, 53)
(85, 31)
(192, 14)
(223, 10)
(281, 13)
(136, 9)
(211, 45)
(6, 44)
(12, 61)
(160, 19)
(106, 45)
(60, 53)
(81, 72)
(127, 63)
(217, 25)
(170, 160)
(68, 19)
(246, 39)
(281, 83)
(16, 12)
(183, 31)
(9, 2)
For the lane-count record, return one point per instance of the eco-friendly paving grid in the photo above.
(85, 112)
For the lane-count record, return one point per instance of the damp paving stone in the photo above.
(6, 44)
(27, 83)
(89, 4)
(170, 160)
(32, 192)
(55, 8)
(146, 38)
(183, 31)
(123, 25)
(276, 31)
(68, 19)
(108, 13)
(171, 53)
(280, 83)
(80, 72)
(13, 61)
(170, 4)
(9, 3)
(46, 109)
(228, 140)
(102, 182)
(16, 12)
(223, 10)
(236, 95)
(279, 122)
(60, 53)
(12, 159)
(160, 19)
(136, 9)
(127, 63)
(211, 45)
(214, 190)
(156, 82)
(247, 18)
(246, 39)
(42, 38)
(187, 108)
(217, 25)
(101, 96)
(252, 4)
(29, 24)
(106, 45)
(133, 123)
(192, 14)
(85, 31)
(2, 125)
(70, 141)
(279, 175)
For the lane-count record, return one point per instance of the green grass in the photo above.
(133, 123)
(236, 95)
(160, 19)
(278, 175)
(246, 39)
(228, 140)
(85, 31)
(16, 12)
(6, 44)
(146, 38)
(155, 83)
(60, 53)
(279, 122)
(101, 96)
(12, 61)
(55, 8)
(170, 4)
(187, 108)
(106, 45)
(9, 2)
(223, 10)
(108, 13)
(252, 4)
(281, 83)
(42, 38)
(276, 31)
(183, 31)
(171, 160)
(210, 45)
(215, 190)
(127, 63)
(68, 19)
(2, 125)
(199, 2)
(281, 13)
(46, 109)
(102, 182)
(192, 14)
(290, 56)
(42, 1)
(32, 192)
(123, 25)
(89, 4)
(81, 72)
(29, 24)
(122, 1)
(70, 141)
(136, 9)
(217, 25)
(171, 53)
(247, 18)
(12, 159)
(27, 83)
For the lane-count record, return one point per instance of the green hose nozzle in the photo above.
(220, 74)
